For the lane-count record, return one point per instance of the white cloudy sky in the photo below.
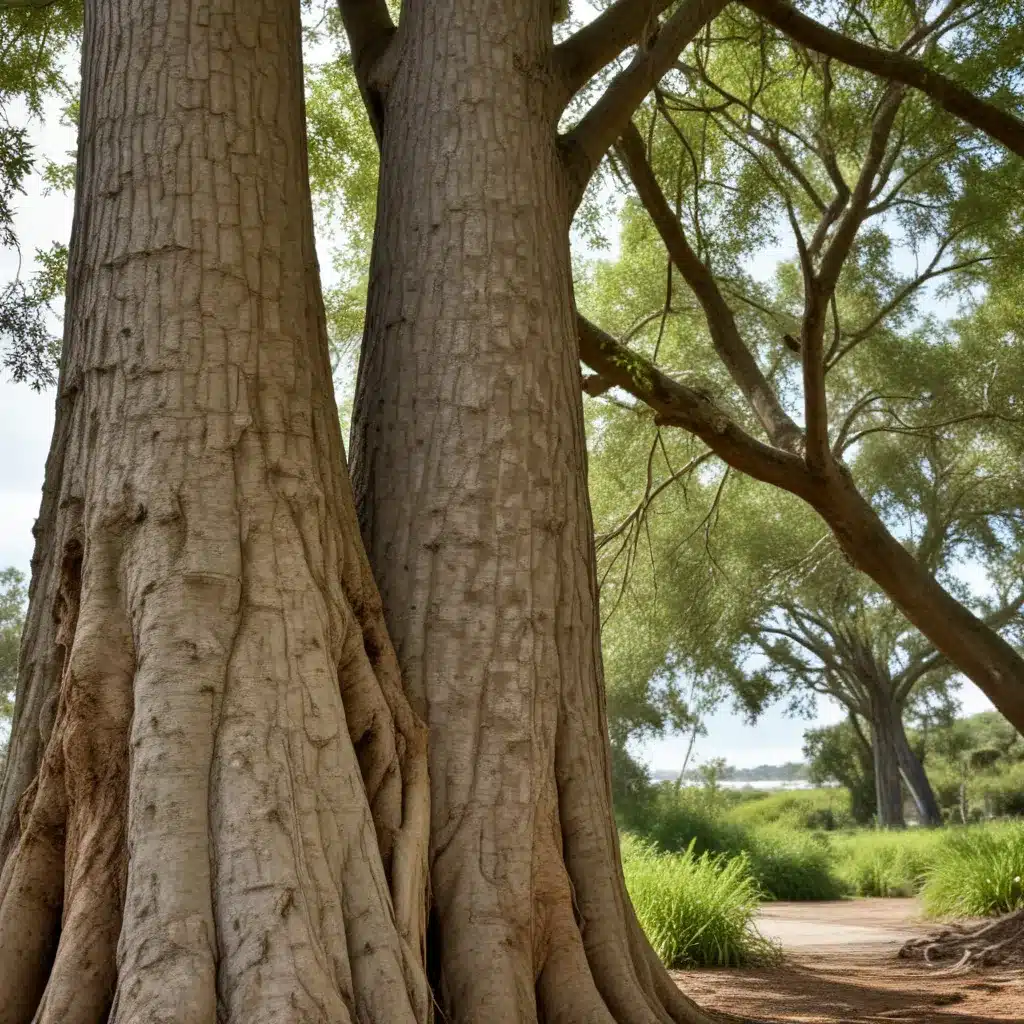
(26, 422)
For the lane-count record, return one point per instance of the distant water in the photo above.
(751, 783)
(766, 784)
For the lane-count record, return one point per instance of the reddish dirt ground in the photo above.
(841, 968)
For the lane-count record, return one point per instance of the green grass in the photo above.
(785, 862)
(976, 872)
(792, 865)
(870, 863)
(696, 909)
(804, 809)
(969, 871)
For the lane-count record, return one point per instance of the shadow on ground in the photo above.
(851, 975)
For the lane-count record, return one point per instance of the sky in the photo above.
(26, 423)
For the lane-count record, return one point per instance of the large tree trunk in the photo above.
(916, 779)
(215, 806)
(468, 460)
(888, 783)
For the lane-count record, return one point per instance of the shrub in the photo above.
(675, 819)
(786, 864)
(884, 863)
(805, 809)
(792, 865)
(976, 872)
(1000, 793)
(697, 910)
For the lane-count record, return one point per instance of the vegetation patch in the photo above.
(976, 872)
(696, 909)
(876, 863)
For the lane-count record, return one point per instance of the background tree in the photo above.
(35, 40)
(750, 133)
(12, 617)
(841, 754)
(706, 574)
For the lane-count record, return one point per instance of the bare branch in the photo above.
(650, 495)
(929, 659)
(676, 405)
(820, 287)
(769, 137)
(725, 336)
(598, 43)
(864, 402)
(931, 271)
(586, 144)
(897, 67)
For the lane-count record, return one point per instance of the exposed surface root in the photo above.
(994, 944)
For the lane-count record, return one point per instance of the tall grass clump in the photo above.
(786, 863)
(884, 863)
(976, 872)
(697, 910)
(792, 865)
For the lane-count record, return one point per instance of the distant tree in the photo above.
(35, 39)
(755, 141)
(13, 595)
(842, 754)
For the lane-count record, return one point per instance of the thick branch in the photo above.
(598, 43)
(725, 335)
(369, 28)
(927, 660)
(586, 144)
(676, 405)
(898, 67)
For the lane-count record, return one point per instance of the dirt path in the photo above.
(841, 968)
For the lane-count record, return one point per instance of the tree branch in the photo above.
(896, 66)
(820, 287)
(370, 29)
(725, 336)
(586, 144)
(931, 271)
(598, 43)
(676, 405)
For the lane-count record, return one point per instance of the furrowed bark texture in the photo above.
(222, 801)
(468, 462)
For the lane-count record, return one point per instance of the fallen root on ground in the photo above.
(996, 943)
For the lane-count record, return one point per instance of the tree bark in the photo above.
(888, 784)
(216, 804)
(469, 466)
(916, 780)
